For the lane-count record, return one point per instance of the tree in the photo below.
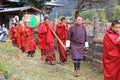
(85, 4)
(116, 13)
(112, 10)
(37, 3)
(90, 14)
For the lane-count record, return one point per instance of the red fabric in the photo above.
(46, 42)
(61, 31)
(48, 55)
(12, 35)
(111, 56)
(20, 35)
(29, 39)
(45, 36)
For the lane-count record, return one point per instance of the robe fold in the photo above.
(46, 42)
(61, 31)
(111, 56)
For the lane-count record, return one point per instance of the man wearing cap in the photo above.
(46, 41)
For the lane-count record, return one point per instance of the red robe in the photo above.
(111, 56)
(30, 44)
(12, 35)
(20, 35)
(46, 42)
(61, 31)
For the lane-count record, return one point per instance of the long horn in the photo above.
(58, 38)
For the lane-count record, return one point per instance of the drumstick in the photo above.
(58, 38)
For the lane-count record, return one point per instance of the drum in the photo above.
(26, 17)
(34, 21)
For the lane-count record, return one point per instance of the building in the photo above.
(10, 9)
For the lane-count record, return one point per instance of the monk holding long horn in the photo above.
(46, 41)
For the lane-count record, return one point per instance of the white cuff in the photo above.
(67, 43)
(86, 44)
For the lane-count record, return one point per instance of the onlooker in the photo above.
(4, 33)
(0, 30)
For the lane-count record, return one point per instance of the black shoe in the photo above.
(28, 55)
(32, 55)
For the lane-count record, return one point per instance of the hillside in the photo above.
(16, 65)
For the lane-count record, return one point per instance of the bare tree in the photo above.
(82, 4)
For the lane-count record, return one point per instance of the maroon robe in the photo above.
(111, 56)
(12, 35)
(30, 44)
(46, 42)
(61, 31)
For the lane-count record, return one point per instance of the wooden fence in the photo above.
(95, 35)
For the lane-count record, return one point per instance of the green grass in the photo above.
(3, 68)
(18, 66)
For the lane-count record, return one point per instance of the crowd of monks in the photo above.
(73, 38)
(22, 36)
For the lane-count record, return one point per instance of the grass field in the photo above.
(15, 65)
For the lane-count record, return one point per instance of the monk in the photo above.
(12, 34)
(46, 42)
(111, 52)
(20, 31)
(30, 44)
(76, 41)
(61, 31)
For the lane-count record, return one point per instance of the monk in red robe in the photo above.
(20, 35)
(61, 31)
(12, 34)
(46, 41)
(30, 44)
(111, 52)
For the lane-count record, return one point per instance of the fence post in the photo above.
(95, 36)
(96, 41)
(96, 27)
